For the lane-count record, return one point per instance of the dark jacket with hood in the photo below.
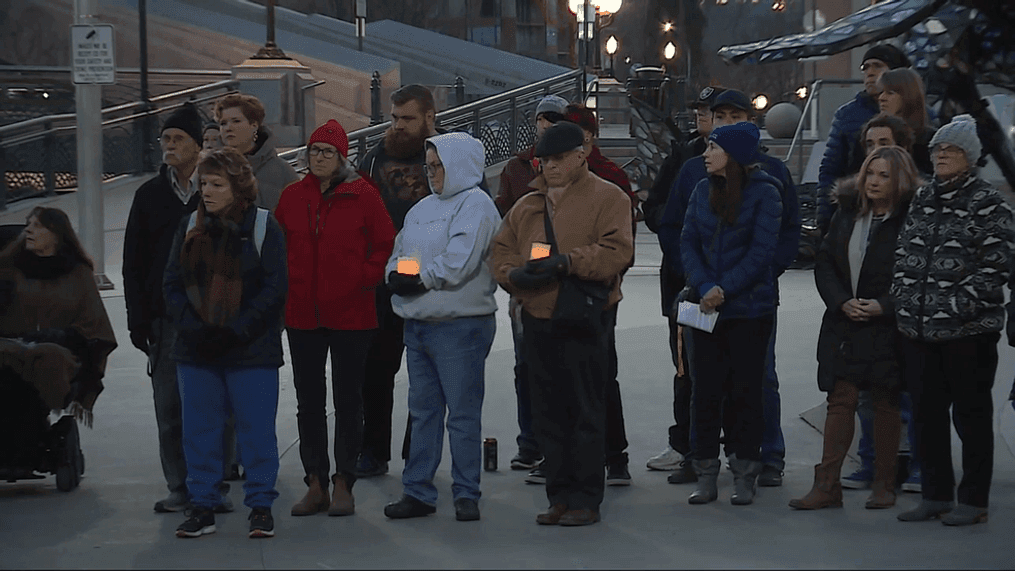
(862, 352)
(154, 217)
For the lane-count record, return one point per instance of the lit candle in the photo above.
(539, 250)
(408, 265)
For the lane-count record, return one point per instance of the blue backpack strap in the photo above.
(260, 228)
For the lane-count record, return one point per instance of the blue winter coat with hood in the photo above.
(450, 234)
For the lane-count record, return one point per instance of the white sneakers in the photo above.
(666, 460)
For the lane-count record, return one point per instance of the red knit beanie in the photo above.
(583, 117)
(333, 134)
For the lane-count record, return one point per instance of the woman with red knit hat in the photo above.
(338, 236)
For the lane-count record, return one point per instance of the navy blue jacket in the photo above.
(672, 221)
(259, 324)
(737, 258)
(844, 152)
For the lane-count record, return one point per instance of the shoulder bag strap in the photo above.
(548, 227)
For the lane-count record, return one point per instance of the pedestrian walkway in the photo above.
(108, 522)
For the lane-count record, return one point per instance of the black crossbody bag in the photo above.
(580, 302)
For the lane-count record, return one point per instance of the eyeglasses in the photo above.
(947, 150)
(328, 153)
(432, 169)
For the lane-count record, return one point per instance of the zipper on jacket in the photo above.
(313, 277)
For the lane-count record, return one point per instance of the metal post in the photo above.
(145, 124)
(361, 22)
(3, 178)
(375, 98)
(459, 90)
(88, 99)
(270, 49)
(514, 125)
(477, 127)
(49, 171)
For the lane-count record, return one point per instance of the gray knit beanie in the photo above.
(961, 132)
(551, 103)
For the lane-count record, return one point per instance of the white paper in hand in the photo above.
(690, 314)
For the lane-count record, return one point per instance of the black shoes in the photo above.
(368, 467)
(617, 475)
(770, 477)
(526, 460)
(409, 506)
(201, 522)
(536, 476)
(261, 523)
(466, 509)
(684, 474)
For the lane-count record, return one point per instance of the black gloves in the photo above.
(525, 279)
(557, 264)
(213, 341)
(537, 274)
(140, 338)
(405, 285)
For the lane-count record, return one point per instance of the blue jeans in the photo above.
(865, 411)
(447, 361)
(526, 438)
(207, 393)
(773, 446)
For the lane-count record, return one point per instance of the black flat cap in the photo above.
(561, 137)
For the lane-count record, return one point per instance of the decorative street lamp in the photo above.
(270, 50)
(611, 48)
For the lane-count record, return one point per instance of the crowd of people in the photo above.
(227, 247)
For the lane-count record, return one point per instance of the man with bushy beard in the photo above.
(396, 166)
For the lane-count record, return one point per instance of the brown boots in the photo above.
(315, 500)
(342, 502)
(887, 427)
(839, 427)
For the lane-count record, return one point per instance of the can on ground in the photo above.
(490, 454)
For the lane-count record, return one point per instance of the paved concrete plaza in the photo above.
(108, 522)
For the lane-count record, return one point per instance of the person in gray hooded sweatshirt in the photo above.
(444, 290)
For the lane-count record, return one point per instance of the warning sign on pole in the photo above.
(92, 59)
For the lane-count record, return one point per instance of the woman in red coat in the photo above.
(338, 236)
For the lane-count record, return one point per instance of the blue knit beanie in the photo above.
(740, 141)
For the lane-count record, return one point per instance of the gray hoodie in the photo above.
(273, 173)
(450, 234)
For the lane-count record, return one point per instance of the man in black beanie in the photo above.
(567, 369)
(844, 153)
(155, 214)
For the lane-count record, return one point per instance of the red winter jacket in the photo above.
(337, 249)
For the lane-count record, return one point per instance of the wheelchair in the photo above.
(29, 443)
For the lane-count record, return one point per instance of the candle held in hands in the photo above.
(539, 251)
(408, 266)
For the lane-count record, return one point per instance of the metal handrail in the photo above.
(500, 102)
(816, 86)
(29, 123)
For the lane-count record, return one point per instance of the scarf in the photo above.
(45, 267)
(210, 260)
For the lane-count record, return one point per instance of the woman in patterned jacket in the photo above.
(953, 257)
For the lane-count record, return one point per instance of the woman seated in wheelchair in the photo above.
(55, 337)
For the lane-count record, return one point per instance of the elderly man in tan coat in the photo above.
(591, 224)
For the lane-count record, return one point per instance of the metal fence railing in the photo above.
(39, 156)
(505, 122)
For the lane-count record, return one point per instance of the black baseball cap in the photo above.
(706, 96)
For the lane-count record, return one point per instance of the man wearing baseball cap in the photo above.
(155, 214)
(567, 371)
(844, 152)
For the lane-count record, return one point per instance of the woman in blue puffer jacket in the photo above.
(730, 234)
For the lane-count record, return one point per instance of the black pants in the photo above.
(959, 374)
(616, 435)
(680, 430)
(309, 350)
(730, 363)
(384, 359)
(568, 377)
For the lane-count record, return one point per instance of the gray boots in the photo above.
(707, 472)
(745, 480)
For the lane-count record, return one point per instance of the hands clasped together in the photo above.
(862, 309)
(537, 274)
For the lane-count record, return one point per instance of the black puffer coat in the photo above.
(863, 352)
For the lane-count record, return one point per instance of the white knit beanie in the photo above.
(961, 132)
